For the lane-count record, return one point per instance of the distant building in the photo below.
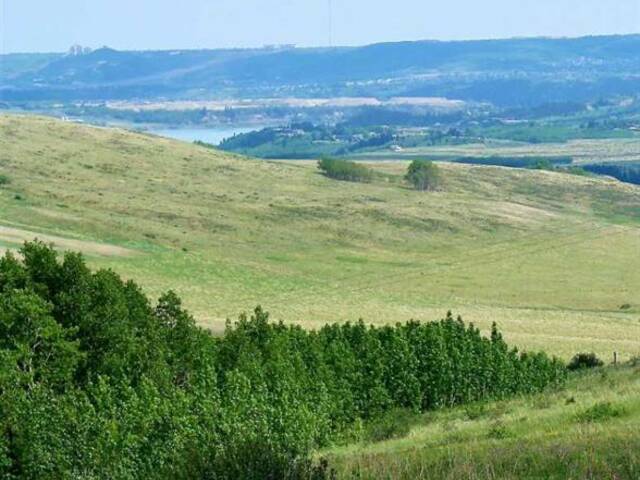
(280, 47)
(77, 50)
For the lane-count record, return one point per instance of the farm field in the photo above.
(582, 151)
(552, 258)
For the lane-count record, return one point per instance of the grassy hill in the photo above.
(551, 257)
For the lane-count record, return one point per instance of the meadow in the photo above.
(552, 258)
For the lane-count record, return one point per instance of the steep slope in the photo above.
(551, 257)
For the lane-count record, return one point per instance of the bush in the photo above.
(498, 431)
(393, 424)
(474, 411)
(542, 164)
(599, 412)
(583, 361)
(345, 170)
(423, 175)
(4, 179)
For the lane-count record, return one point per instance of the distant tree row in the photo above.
(96, 382)
(534, 162)
(628, 172)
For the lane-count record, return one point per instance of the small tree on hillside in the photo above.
(345, 170)
(423, 175)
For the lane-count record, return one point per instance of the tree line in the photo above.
(628, 172)
(98, 382)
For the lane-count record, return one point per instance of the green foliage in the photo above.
(542, 164)
(575, 170)
(599, 412)
(344, 170)
(4, 179)
(97, 382)
(628, 172)
(475, 411)
(498, 431)
(395, 423)
(583, 361)
(200, 143)
(423, 175)
(537, 162)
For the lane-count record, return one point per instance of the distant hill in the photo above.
(504, 72)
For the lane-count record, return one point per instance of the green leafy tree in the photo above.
(423, 175)
(345, 170)
(96, 382)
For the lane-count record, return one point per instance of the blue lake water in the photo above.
(208, 135)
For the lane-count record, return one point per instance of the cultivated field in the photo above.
(553, 258)
(582, 151)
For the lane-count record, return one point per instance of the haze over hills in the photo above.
(503, 72)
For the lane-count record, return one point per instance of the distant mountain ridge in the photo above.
(514, 71)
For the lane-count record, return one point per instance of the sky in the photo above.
(55, 25)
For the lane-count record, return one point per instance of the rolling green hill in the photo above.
(551, 257)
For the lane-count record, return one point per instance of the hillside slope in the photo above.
(587, 430)
(551, 257)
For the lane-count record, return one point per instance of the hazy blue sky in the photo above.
(53, 25)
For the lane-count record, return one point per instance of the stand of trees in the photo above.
(345, 170)
(96, 382)
(628, 172)
(423, 175)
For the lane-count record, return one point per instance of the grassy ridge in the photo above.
(550, 257)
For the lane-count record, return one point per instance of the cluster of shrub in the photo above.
(421, 174)
(345, 170)
(96, 382)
